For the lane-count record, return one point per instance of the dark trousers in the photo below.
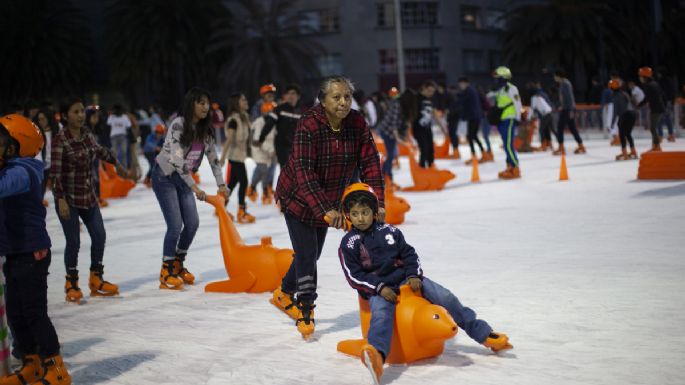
(92, 219)
(546, 127)
(307, 244)
(150, 156)
(424, 138)
(654, 119)
(625, 128)
(282, 152)
(238, 176)
(390, 150)
(27, 305)
(452, 128)
(472, 135)
(565, 119)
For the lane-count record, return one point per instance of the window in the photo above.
(330, 65)
(470, 17)
(326, 20)
(413, 13)
(473, 60)
(493, 19)
(416, 60)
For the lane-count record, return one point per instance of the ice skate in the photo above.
(497, 342)
(623, 155)
(73, 292)
(655, 148)
(31, 371)
(244, 217)
(487, 157)
(180, 270)
(510, 173)
(305, 324)
(99, 287)
(284, 301)
(632, 154)
(580, 149)
(251, 194)
(559, 151)
(671, 138)
(55, 372)
(268, 197)
(373, 361)
(615, 141)
(167, 278)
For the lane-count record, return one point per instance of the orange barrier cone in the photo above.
(251, 268)
(442, 151)
(563, 172)
(419, 331)
(111, 184)
(426, 179)
(662, 165)
(475, 176)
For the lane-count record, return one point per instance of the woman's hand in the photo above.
(223, 190)
(335, 219)
(121, 170)
(63, 207)
(199, 193)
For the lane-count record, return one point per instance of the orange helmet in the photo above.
(645, 72)
(393, 92)
(614, 84)
(159, 128)
(267, 107)
(265, 89)
(215, 106)
(359, 187)
(25, 133)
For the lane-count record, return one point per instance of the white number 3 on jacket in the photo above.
(390, 239)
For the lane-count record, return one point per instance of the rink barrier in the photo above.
(662, 165)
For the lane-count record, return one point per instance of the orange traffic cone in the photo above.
(563, 172)
(475, 176)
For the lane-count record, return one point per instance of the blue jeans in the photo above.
(177, 202)
(272, 172)
(507, 129)
(92, 218)
(666, 120)
(390, 149)
(260, 175)
(383, 316)
(307, 244)
(120, 147)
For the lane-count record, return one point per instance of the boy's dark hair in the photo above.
(429, 83)
(292, 87)
(363, 198)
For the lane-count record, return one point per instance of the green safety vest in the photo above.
(505, 102)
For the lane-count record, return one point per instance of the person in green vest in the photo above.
(508, 107)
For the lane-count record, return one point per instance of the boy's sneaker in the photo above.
(31, 371)
(497, 341)
(373, 361)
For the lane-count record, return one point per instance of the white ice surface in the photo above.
(587, 277)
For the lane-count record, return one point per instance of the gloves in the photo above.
(388, 294)
(415, 284)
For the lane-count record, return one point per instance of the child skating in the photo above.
(376, 260)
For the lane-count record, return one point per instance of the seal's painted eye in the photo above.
(436, 316)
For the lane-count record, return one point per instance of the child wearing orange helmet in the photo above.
(376, 260)
(264, 156)
(624, 117)
(25, 241)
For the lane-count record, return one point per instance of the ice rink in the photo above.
(587, 277)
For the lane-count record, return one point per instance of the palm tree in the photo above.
(569, 33)
(266, 44)
(45, 50)
(157, 48)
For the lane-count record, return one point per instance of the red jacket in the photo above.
(322, 164)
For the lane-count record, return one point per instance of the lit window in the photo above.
(326, 20)
(470, 17)
(330, 65)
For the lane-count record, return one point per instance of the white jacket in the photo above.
(265, 153)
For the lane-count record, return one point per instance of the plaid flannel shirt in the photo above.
(72, 167)
(322, 164)
(392, 120)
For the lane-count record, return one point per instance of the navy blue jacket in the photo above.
(21, 193)
(376, 258)
(4, 243)
(471, 105)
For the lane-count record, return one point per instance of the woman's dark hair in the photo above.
(292, 87)
(54, 127)
(560, 73)
(233, 107)
(203, 128)
(66, 104)
(409, 105)
(118, 109)
(363, 198)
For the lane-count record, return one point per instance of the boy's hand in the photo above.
(389, 294)
(121, 170)
(63, 208)
(415, 284)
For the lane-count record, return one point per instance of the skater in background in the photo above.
(422, 125)
(472, 114)
(236, 149)
(624, 118)
(389, 128)
(332, 142)
(24, 240)
(376, 260)
(543, 111)
(567, 114)
(507, 113)
(654, 99)
(263, 155)
(151, 148)
(74, 150)
(119, 135)
(48, 127)
(190, 136)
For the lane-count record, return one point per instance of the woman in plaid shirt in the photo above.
(331, 142)
(73, 151)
